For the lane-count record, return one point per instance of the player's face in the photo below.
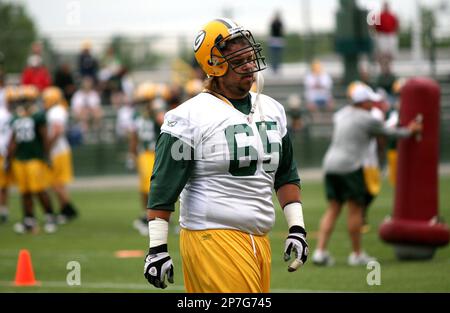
(234, 85)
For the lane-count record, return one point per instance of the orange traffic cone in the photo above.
(24, 271)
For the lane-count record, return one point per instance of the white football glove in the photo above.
(296, 241)
(158, 264)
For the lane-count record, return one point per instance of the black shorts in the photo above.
(343, 187)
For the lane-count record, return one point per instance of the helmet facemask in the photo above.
(220, 56)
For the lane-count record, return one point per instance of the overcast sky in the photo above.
(150, 16)
(82, 18)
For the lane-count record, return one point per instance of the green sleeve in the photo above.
(169, 175)
(287, 169)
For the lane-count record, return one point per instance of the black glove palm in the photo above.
(296, 241)
(158, 264)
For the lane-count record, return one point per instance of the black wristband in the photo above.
(297, 229)
(158, 249)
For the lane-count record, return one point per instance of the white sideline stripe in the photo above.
(59, 284)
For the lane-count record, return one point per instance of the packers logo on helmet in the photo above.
(199, 40)
(210, 48)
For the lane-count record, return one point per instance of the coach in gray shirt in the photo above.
(354, 127)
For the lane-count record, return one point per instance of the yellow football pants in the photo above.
(392, 163)
(372, 178)
(5, 177)
(31, 176)
(61, 172)
(225, 261)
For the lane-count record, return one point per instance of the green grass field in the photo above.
(105, 227)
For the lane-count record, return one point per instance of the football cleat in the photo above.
(359, 259)
(50, 224)
(28, 225)
(322, 258)
(67, 214)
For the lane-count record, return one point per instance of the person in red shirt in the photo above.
(388, 21)
(386, 35)
(36, 73)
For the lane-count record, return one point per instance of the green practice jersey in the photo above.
(30, 144)
(147, 132)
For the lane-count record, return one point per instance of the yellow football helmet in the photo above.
(146, 91)
(52, 96)
(12, 94)
(29, 92)
(163, 91)
(193, 87)
(210, 45)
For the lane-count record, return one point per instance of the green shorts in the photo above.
(343, 187)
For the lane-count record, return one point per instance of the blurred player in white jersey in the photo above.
(375, 152)
(223, 151)
(61, 171)
(10, 95)
(354, 128)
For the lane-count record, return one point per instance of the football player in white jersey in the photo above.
(10, 95)
(61, 171)
(222, 152)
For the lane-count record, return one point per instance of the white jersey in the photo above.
(5, 130)
(353, 130)
(235, 163)
(58, 115)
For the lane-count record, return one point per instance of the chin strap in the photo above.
(256, 103)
